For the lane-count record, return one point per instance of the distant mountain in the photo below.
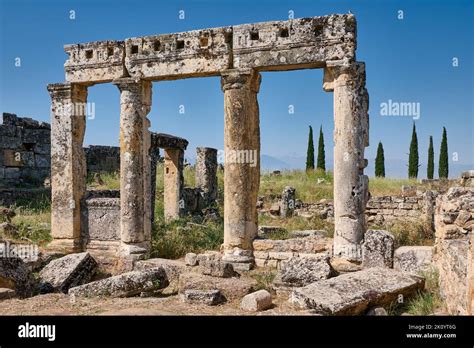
(272, 163)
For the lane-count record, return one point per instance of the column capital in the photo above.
(343, 73)
(59, 91)
(137, 87)
(240, 78)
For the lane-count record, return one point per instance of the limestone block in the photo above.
(194, 53)
(302, 42)
(353, 293)
(413, 259)
(95, 62)
(287, 205)
(190, 259)
(230, 288)
(206, 297)
(172, 268)
(69, 271)
(216, 268)
(124, 285)
(377, 249)
(301, 271)
(16, 276)
(100, 216)
(6, 294)
(256, 301)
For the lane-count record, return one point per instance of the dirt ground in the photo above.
(60, 304)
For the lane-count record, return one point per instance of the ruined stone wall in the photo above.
(25, 151)
(102, 158)
(454, 248)
(382, 209)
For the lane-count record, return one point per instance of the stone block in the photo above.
(256, 301)
(413, 259)
(216, 268)
(297, 271)
(15, 275)
(6, 294)
(377, 249)
(206, 297)
(230, 288)
(190, 259)
(69, 271)
(124, 285)
(353, 293)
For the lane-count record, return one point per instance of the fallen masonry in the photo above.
(69, 271)
(353, 293)
(302, 271)
(15, 275)
(124, 285)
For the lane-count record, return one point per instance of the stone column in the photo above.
(350, 139)
(135, 102)
(173, 183)
(68, 164)
(241, 173)
(206, 173)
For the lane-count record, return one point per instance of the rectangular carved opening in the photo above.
(318, 30)
(284, 32)
(179, 44)
(134, 49)
(89, 54)
(110, 51)
(204, 41)
(157, 45)
(28, 146)
(254, 35)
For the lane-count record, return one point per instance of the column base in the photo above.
(348, 252)
(65, 245)
(134, 250)
(241, 259)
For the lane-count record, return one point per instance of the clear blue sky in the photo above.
(407, 60)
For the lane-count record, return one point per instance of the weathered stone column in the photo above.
(350, 138)
(206, 173)
(135, 102)
(173, 183)
(241, 173)
(68, 164)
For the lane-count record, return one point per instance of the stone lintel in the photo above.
(167, 141)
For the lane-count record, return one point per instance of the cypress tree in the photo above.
(380, 162)
(430, 169)
(321, 153)
(413, 156)
(310, 153)
(443, 169)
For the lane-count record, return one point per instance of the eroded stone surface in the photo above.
(301, 271)
(230, 288)
(207, 297)
(69, 271)
(353, 293)
(256, 301)
(124, 285)
(377, 249)
(413, 259)
(16, 276)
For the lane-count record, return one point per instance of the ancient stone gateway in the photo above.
(238, 54)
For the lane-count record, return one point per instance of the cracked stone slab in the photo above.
(353, 293)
